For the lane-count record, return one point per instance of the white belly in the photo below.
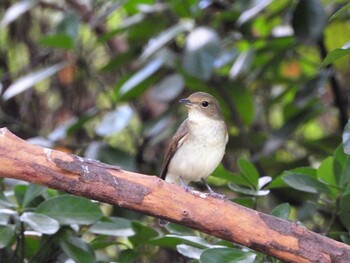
(198, 156)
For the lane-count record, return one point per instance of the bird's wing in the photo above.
(178, 139)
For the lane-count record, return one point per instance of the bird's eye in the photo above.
(205, 104)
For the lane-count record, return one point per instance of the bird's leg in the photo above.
(184, 185)
(211, 191)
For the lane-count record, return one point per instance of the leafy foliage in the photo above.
(102, 80)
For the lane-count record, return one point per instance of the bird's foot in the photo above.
(216, 195)
(185, 186)
(212, 193)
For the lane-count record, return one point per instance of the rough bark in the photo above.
(150, 195)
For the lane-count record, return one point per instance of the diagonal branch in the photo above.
(152, 196)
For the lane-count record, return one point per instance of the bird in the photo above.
(198, 145)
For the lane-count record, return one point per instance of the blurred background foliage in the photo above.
(101, 79)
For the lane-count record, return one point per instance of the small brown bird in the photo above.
(198, 145)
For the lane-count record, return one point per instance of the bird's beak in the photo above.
(187, 102)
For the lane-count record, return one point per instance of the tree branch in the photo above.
(152, 196)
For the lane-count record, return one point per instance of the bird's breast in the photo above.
(200, 153)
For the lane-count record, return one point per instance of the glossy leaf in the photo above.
(242, 65)
(282, 211)
(156, 43)
(168, 88)
(107, 154)
(140, 76)
(335, 55)
(325, 172)
(128, 256)
(113, 226)
(102, 241)
(143, 234)
(341, 166)
(221, 172)
(226, 255)
(254, 10)
(115, 121)
(309, 20)
(305, 183)
(4, 202)
(189, 251)
(16, 10)
(278, 182)
(69, 25)
(340, 12)
(68, 209)
(7, 234)
(346, 137)
(344, 204)
(40, 223)
(30, 80)
(247, 191)
(201, 50)
(249, 171)
(172, 241)
(32, 192)
(77, 250)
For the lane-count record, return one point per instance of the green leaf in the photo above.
(226, 255)
(68, 209)
(69, 25)
(305, 183)
(201, 50)
(221, 172)
(278, 182)
(127, 256)
(115, 121)
(143, 234)
(172, 241)
(309, 20)
(118, 61)
(344, 204)
(325, 173)
(20, 191)
(113, 226)
(31, 79)
(334, 55)
(40, 223)
(245, 201)
(77, 250)
(249, 172)
(242, 65)
(309, 89)
(247, 191)
(156, 43)
(244, 103)
(282, 211)
(32, 192)
(105, 153)
(101, 241)
(169, 88)
(5, 202)
(346, 136)
(341, 166)
(7, 234)
(189, 251)
(141, 75)
(57, 41)
(340, 12)
(254, 9)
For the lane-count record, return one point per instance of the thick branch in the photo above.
(152, 196)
